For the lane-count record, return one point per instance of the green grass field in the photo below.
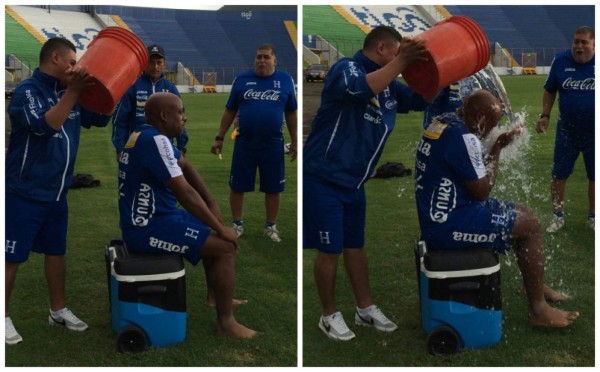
(392, 229)
(266, 271)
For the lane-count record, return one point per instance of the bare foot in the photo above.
(210, 302)
(235, 329)
(553, 296)
(551, 317)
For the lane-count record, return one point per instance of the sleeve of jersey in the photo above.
(466, 158)
(162, 160)
(551, 84)
(408, 100)
(28, 108)
(174, 90)
(91, 119)
(232, 102)
(350, 81)
(436, 108)
(120, 120)
(182, 140)
(292, 103)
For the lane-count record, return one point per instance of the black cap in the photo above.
(156, 50)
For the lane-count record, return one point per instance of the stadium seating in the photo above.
(80, 28)
(20, 43)
(543, 30)
(329, 24)
(223, 40)
(406, 19)
(28, 27)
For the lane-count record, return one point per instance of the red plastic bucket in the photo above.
(457, 48)
(116, 57)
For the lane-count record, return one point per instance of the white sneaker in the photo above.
(556, 224)
(271, 232)
(12, 337)
(69, 320)
(336, 328)
(590, 223)
(239, 229)
(375, 318)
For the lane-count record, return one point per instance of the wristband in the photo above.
(219, 138)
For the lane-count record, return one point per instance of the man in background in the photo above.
(130, 110)
(261, 99)
(572, 78)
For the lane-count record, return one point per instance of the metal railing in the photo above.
(545, 55)
(219, 75)
(226, 75)
(522, 56)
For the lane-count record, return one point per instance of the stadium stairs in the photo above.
(197, 40)
(508, 26)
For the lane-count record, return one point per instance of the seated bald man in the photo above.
(153, 177)
(453, 184)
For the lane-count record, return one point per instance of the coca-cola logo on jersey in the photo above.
(587, 84)
(267, 95)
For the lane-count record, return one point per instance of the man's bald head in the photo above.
(164, 111)
(157, 103)
(481, 112)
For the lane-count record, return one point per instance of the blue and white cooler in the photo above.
(147, 298)
(461, 302)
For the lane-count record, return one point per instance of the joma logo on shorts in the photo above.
(473, 238)
(169, 247)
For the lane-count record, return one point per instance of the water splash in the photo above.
(400, 191)
(514, 181)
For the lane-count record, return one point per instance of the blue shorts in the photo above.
(179, 233)
(485, 225)
(569, 143)
(333, 217)
(34, 226)
(271, 168)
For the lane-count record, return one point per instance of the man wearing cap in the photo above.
(130, 110)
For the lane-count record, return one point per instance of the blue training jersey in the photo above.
(449, 99)
(130, 113)
(447, 156)
(261, 103)
(39, 159)
(576, 85)
(149, 159)
(352, 124)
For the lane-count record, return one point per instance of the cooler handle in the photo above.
(464, 286)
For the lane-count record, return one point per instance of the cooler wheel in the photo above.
(131, 340)
(442, 341)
